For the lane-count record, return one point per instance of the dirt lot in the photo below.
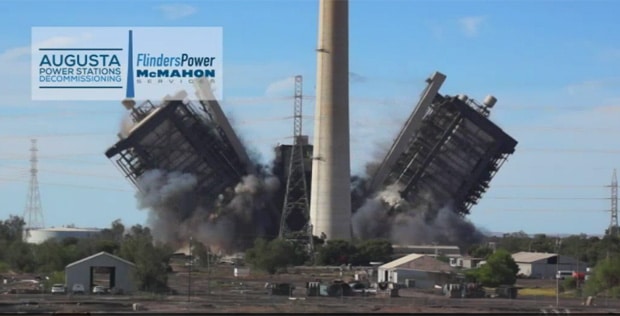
(218, 291)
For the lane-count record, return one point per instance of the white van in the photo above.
(78, 289)
(562, 274)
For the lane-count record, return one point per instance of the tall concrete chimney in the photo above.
(330, 208)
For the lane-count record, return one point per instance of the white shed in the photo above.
(544, 265)
(422, 270)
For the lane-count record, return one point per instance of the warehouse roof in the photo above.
(402, 260)
(530, 257)
(419, 262)
(103, 253)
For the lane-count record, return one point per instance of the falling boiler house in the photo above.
(447, 152)
(180, 136)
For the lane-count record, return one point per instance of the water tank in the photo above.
(463, 97)
(489, 101)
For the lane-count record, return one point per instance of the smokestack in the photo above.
(330, 209)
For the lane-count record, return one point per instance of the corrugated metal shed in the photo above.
(530, 257)
(101, 269)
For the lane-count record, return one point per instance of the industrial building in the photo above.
(416, 270)
(543, 265)
(447, 152)
(38, 236)
(102, 269)
(177, 136)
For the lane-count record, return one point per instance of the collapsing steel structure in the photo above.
(179, 136)
(447, 152)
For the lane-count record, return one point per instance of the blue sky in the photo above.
(553, 65)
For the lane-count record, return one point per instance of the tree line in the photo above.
(50, 258)
(152, 259)
(588, 249)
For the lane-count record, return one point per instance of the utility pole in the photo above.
(208, 269)
(189, 274)
(557, 270)
(296, 196)
(613, 224)
(33, 213)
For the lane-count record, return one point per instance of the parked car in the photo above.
(78, 289)
(100, 289)
(562, 274)
(58, 289)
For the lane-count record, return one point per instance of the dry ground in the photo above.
(218, 291)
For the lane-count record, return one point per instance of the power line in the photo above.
(570, 150)
(543, 198)
(93, 114)
(548, 186)
(80, 186)
(69, 172)
(539, 210)
(64, 155)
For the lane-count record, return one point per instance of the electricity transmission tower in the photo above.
(296, 194)
(33, 213)
(613, 224)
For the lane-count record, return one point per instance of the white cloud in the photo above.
(15, 63)
(585, 87)
(470, 25)
(281, 87)
(590, 86)
(15, 53)
(177, 11)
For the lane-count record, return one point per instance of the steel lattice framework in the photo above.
(447, 152)
(33, 213)
(296, 194)
(613, 225)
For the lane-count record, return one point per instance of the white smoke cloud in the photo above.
(391, 195)
(126, 125)
(388, 215)
(157, 187)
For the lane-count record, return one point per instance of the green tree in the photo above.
(269, 256)
(336, 252)
(20, 257)
(115, 232)
(151, 260)
(606, 277)
(109, 246)
(480, 251)
(569, 283)
(542, 243)
(500, 269)
(515, 242)
(372, 250)
(50, 256)
(12, 229)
